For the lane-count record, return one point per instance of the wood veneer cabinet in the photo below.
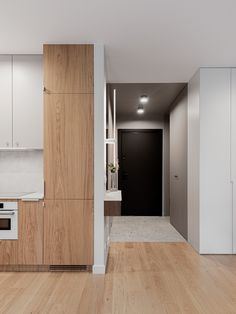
(68, 154)
(28, 249)
(68, 146)
(30, 246)
(68, 232)
(68, 68)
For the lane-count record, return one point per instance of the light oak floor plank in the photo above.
(142, 278)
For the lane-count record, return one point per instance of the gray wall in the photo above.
(178, 164)
(158, 123)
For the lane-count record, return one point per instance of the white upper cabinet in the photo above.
(28, 101)
(5, 101)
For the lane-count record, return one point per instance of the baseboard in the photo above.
(99, 269)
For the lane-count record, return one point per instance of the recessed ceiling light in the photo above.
(140, 109)
(143, 99)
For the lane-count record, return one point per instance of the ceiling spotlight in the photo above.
(143, 99)
(140, 109)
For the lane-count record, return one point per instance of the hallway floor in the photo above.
(142, 278)
(143, 229)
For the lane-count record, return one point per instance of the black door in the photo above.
(140, 173)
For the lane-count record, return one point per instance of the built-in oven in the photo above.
(8, 220)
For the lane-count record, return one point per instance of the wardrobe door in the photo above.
(233, 151)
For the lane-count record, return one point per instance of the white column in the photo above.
(99, 158)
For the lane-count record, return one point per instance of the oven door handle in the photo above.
(6, 213)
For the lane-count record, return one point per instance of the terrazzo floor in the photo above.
(143, 229)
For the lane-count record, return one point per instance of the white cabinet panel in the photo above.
(233, 151)
(210, 145)
(5, 101)
(27, 101)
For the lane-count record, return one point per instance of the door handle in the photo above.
(2, 213)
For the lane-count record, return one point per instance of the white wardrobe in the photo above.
(212, 161)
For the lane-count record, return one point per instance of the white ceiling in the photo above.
(146, 40)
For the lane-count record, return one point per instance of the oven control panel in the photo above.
(8, 206)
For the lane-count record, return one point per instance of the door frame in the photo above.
(154, 130)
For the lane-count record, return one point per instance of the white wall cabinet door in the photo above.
(5, 101)
(28, 101)
(233, 151)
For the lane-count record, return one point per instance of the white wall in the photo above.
(99, 159)
(210, 191)
(21, 171)
(159, 123)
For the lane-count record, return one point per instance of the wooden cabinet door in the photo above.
(30, 228)
(28, 101)
(68, 232)
(68, 146)
(28, 249)
(8, 252)
(68, 68)
(5, 101)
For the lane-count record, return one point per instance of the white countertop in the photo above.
(36, 196)
(114, 196)
(24, 196)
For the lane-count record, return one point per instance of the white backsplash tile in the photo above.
(21, 171)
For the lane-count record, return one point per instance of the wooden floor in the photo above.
(142, 278)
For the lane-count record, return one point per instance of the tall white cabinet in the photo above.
(21, 98)
(211, 160)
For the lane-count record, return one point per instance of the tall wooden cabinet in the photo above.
(68, 154)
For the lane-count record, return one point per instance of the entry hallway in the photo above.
(147, 278)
